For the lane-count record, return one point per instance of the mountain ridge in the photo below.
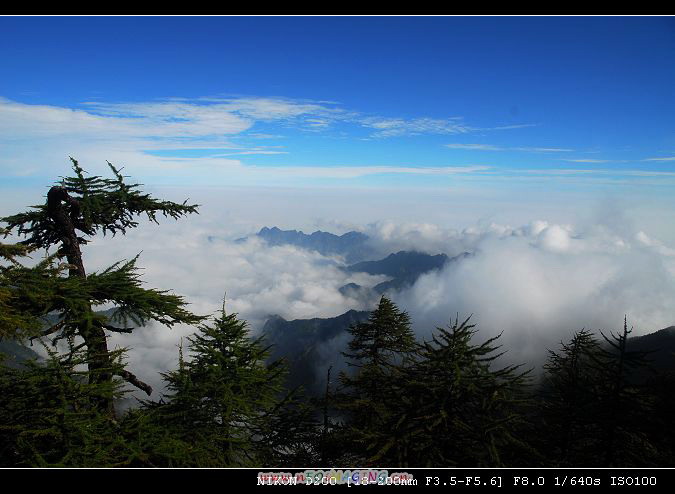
(352, 245)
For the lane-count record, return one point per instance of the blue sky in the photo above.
(346, 101)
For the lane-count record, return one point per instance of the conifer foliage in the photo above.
(569, 402)
(597, 404)
(78, 208)
(221, 398)
(625, 402)
(20, 304)
(47, 418)
(378, 351)
(458, 407)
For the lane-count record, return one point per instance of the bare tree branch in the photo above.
(117, 330)
(50, 330)
(133, 380)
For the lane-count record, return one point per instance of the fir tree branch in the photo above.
(117, 330)
(50, 330)
(133, 380)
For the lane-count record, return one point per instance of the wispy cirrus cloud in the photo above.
(251, 109)
(264, 136)
(207, 134)
(666, 158)
(126, 121)
(588, 161)
(208, 118)
(491, 147)
(511, 127)
(285, 173)
(475, 147)
(392, 127)
(599, 171)
(362, 171)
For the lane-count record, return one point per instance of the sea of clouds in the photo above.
(536, 283)
(541, 282)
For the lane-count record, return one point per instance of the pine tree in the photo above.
(47, 417)
(291, 435)
(379, 348)
(20, 303)
(76, 209)
(455, 409)
(624, 403)
(596, 404)
(222, 399)
(570, 432)
(383, 338)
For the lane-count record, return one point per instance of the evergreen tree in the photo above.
(379, 348)
(382, 339)
(454, 408)
(47, 417)
(570, 433)
(222, 400)
(76, 209)
(625, 404)
(596, 406)
(291, 435)
(20, 300)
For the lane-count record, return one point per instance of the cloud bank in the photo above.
(255, 280)
(536, 283)
(541, 282)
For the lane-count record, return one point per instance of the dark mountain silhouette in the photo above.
(351, 245)
(404, 267)
(660, 344)
(16, 353)
(353, 290)
(299, 342)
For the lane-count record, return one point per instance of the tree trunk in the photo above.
(98, 357)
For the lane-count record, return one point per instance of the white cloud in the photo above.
(667, 158)
(125, 131)
(256, 280)
(35, 135)
(541, 282)
(538, 281)
(599, 171)
(588, 161)
(475, 147)
(491, 147)
(345, 172)
(264, 136)
(387, 127)
(18, 120)
(543, 150)
(269, 109)
(512, 127)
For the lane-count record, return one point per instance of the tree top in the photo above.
(95, 204)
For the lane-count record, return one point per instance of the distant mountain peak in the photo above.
(304, 342)
(351, 245)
